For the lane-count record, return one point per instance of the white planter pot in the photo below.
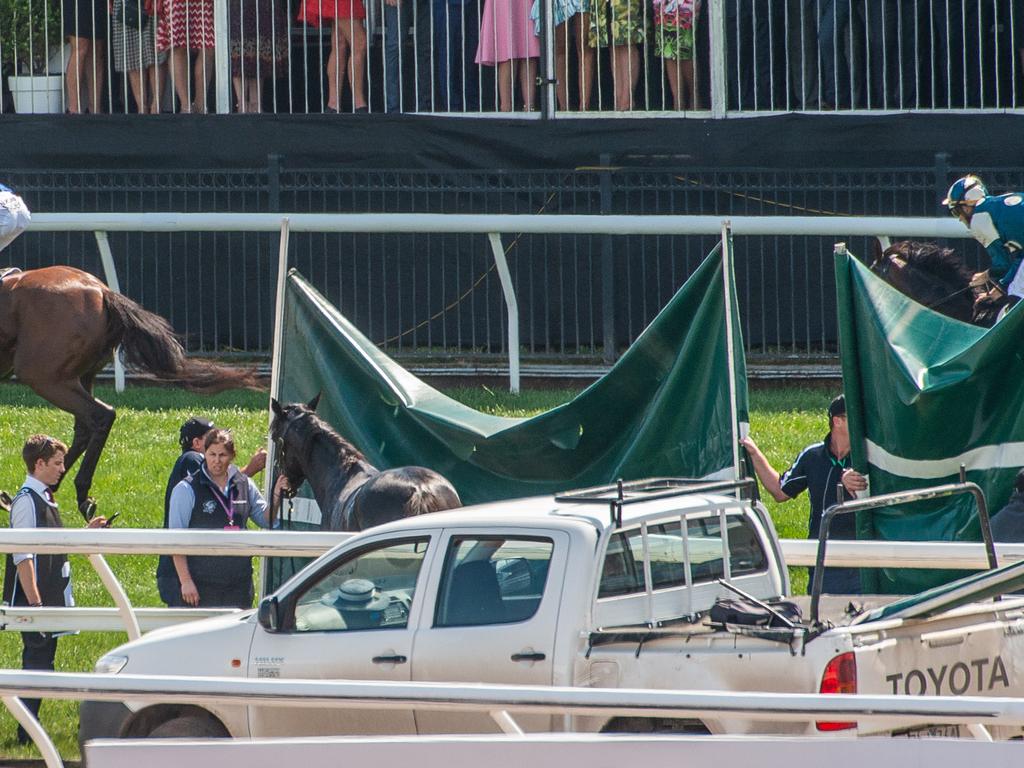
(37, 94)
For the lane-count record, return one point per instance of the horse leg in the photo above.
(82, 429)
(97, 416)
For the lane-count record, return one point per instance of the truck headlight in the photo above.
(110, 664)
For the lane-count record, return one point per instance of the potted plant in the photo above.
(30, 50)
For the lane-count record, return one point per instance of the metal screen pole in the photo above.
(730, 346)
(275, 378)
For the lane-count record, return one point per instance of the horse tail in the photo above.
(150, 343)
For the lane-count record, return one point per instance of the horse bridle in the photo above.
(883, 272)
(279, 444)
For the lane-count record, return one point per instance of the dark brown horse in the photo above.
(352, 494)
(58, 329)
(937, 278)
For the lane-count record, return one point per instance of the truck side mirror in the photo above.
(268, 614)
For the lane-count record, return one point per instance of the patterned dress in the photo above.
(618, 22)
(673, 28)
(133, 48)
(259, 38)
(185, 24)
(563, 11)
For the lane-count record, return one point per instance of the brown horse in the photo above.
(58, 329)
(938, 278)
(352, 494)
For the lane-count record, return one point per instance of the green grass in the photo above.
(143, 445)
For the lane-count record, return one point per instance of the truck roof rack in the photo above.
(621, 493)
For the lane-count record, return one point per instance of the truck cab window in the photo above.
(623, 572)
(372, 589)
(492, 580)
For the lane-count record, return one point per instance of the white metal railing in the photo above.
(126, 541)
(492, 225)
(502, 701)
(691, 56)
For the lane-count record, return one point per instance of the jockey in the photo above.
(14, 216)
(997, 222)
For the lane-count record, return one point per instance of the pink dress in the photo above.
(506, 32)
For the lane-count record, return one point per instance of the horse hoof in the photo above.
(88, 508)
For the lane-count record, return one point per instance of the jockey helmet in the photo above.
(968, 189)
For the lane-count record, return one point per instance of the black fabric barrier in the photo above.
(35, 142)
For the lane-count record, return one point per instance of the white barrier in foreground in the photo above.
(500, 701)
(555, 751)
(898, 710)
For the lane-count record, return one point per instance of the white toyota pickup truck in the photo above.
(608, 587)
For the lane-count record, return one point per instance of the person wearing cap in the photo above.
(1008, 522)
(14, 216)
(36, 580)
(997, 222)
(819, 469)
(217, 497)
(189, 462)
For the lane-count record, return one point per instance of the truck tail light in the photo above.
(840, 676)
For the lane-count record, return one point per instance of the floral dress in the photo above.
(674, 21)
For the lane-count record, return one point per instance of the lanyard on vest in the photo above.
(221, 500)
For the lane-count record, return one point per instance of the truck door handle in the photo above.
(528, 657)
(389, 659)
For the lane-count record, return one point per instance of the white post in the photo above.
(35, 731)
(719, 86)
(124, 605)
(221, 56)
(504, 720)
(549, 74)
(110, 271)
(512, 308)
(729, 345)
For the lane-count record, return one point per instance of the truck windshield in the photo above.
(623, 572)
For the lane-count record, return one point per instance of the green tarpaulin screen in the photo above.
(925, 394)
(663, 409)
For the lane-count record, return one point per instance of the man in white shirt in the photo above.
(14, 216)
(37, 580)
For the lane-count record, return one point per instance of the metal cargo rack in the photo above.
(621, 493)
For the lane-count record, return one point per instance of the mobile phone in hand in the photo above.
(111, 519)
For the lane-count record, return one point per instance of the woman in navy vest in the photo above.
(217, 497)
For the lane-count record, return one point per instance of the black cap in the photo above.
(838, 406)
(193, 428)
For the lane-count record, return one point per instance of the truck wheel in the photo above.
(655, 725)
(189, 727)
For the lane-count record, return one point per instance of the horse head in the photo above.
(930, 274)
(290, 431)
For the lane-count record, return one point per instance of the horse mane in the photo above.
(943, 263)
(312, 427)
